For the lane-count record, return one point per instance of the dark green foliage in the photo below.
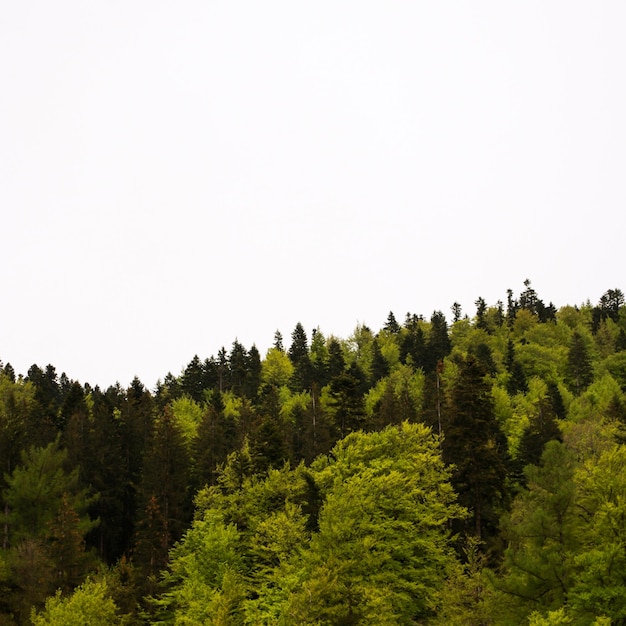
(253, 373)
(267, 445)
(238, 363)
(438, 344)
(620, 342)
(543, 428)
(392, 326)
(349, 412)
(556, 400)
(475, 445)
(236, 427)
(48, 396)
(380, 367)
(278, 341)
(192, 380)
(217, 436)
(456, 311)
(164, 501)
(579, 368)
(336, 361)
(516, 382)
(299, 356)
(413, 346)
(481, 310)
(611, 302)
(484, 356)
(512, 306)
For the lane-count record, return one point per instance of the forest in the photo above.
(459, 469)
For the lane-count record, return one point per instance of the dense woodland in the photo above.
(461, 469)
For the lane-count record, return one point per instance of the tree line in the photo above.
(436, 472)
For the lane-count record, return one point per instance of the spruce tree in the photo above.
(475, 445)
(579, 368)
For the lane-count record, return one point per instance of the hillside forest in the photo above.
(460, 469)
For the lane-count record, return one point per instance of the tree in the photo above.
(540, 535)
(413, 345)
(382, 549)
(392, 326)
(542, 428)
(164, 506)
(361, 535)
(481, 310)
(192, 379)
(278, 341)
(347, 403)
(475, 445)
(277, 369)
(579, 368)
(336, 360)
(215, 439)
(36, 490)
(47, 523)
(438, 345)
(457, 312)
(89, 605)
(516, 382)
(238, 361)
(512, 306)
(299, 356)
(380, 367)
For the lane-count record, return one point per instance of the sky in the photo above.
(178, 175)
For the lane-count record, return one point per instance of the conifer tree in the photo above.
(392, 326)
(380, 367)
(438, 345)
(164, 501)
(579, 368)
(475, 445)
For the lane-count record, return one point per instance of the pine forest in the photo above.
(464, 468)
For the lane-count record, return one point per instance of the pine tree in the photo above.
(475, 445)
(579, 368)
(438, 345)
(481, 310)
(516, 382)
(392, 325)
(299, 356)
(192, 379)
(380, 367)
(164, 500)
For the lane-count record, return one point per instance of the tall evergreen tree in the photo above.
(475, 445)
(579, 368)
(517, 379)
(413, 345)
(238, 361)
(392, 326)
(438, 345)
(192, 379)
(164, 500)
(380, 367)
(299, 356)
(481, 310)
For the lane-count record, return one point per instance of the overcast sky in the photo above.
(175, 175)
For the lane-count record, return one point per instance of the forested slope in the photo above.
(445, 470)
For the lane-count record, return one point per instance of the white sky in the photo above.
(175, 175)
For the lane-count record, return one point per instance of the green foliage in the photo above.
(381, 503)
(277, 369)
(358, 536)
(188, 415)
(565, 538)
(476, 446)
(89, 605)
(38, 488)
